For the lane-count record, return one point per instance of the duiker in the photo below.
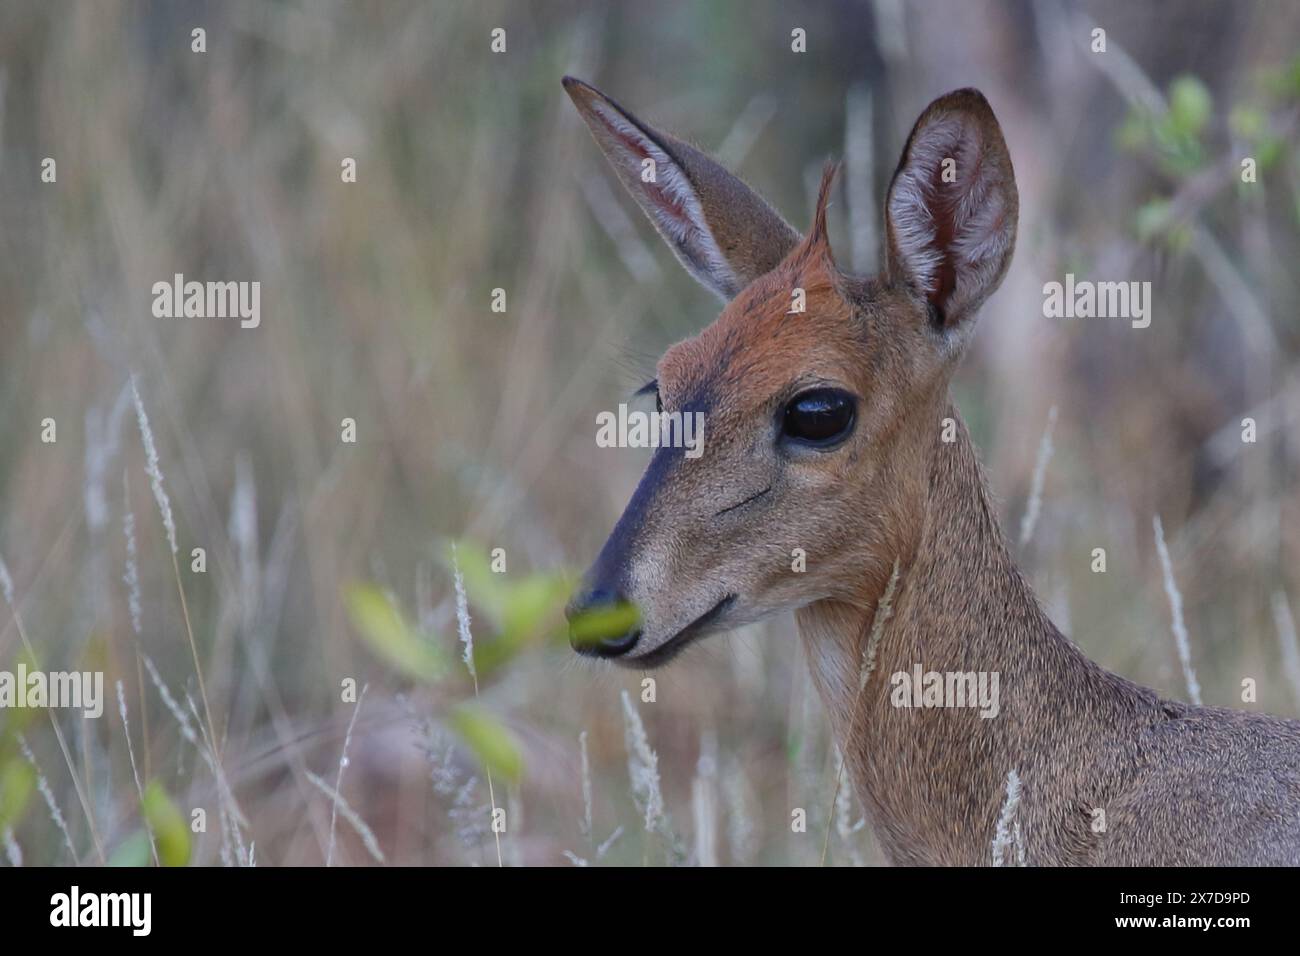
(826, 434)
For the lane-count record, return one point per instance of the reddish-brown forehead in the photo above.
(757, 347)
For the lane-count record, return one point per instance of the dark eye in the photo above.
(652, 388)
(820, 417)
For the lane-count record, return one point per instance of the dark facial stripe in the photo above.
(611, 566)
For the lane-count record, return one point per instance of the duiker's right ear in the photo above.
(952, 208)
(721, 230)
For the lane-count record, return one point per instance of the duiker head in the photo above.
(821, 392)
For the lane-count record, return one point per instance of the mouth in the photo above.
(688, 635)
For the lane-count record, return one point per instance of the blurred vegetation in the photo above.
(330, 562)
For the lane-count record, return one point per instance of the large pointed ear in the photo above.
(721, 230)
(951, 211)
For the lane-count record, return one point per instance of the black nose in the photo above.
(602, 623)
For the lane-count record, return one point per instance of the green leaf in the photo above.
(133, 851)
(1190, 105)
(534, 606)
(18, 719)
(1269, 150)
(488, 591)
(1135, 132)
(381, 624)
(595, 625)
(1247, 122)
(17, 781)
(520, 609)
(490, 740)
(1284, 82)
(170, 834)
(1152, 218)
(1179, 152)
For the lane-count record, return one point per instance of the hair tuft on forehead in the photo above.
(817, 243)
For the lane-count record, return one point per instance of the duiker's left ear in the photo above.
(952, 207)
(722, 231)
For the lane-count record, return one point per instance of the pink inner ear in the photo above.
(942, 200)
(950, 235)
(671, 200)
(667, 206)
(948, 204)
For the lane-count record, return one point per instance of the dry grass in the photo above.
(474, 174)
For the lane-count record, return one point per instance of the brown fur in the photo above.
(1178, 784)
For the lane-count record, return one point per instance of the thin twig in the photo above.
(1030, 517)
(1176, 613)
(135, 773)
(467, 639)
(884, 611)
(338, 779)
(1008, 836)
(367, 835)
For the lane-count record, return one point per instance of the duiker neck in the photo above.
(932, 778)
